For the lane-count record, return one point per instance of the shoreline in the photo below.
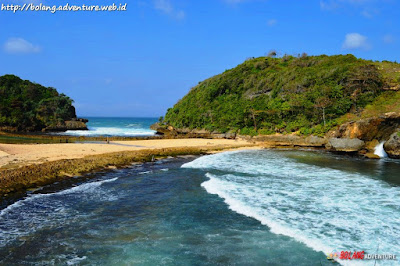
(28, 166)
(28, 174)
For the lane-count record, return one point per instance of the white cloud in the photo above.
(20, 46)
(272, 22)
(331, 5)
(370, 12)
(388, 39)
(356, 41)
(369, 8)
(166, 7)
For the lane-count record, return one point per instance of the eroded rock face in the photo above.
(161, 129)
(392, 146)
(368, 129)
(79, 124)
(74, 124)
(291, 140)
(345, 144)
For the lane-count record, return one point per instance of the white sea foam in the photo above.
(80, 188)
(145, 172)
(325, 209)
(76, 260)
(380, 151)
(86, 186)
(111, 131)
(36, 211)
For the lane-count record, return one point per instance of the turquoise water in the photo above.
(236, 208)
(117, 126)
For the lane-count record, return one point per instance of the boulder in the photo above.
(314, 141)
(163, 129)
(345, 144)
(392, 146)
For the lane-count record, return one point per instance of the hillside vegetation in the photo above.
(27, 106)
(305, 94)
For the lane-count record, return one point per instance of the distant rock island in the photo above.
(30, 107)
(339, 102)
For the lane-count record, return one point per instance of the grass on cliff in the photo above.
(307, 94)
(388, 101)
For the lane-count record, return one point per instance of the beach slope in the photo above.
(25, 166)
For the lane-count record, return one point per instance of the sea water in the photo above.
(116, 126)
(235, 208)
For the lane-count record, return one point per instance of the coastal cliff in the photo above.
(29, 107)
(340, 103)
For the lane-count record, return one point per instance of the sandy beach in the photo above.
(15, 155)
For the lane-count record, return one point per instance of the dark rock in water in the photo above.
(345, 144)
(74, 124)
(392, 146)
(370, 128)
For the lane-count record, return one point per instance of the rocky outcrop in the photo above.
(360, 136)
(345, 144)
(392, 146)
(368, 129)
(291, 140)
(74, 124)
(171, 132)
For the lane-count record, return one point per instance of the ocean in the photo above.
(257, 207)
(116, 126)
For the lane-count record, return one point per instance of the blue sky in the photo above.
(141, 61)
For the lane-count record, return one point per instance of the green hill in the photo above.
(305, 94)
(27, 106)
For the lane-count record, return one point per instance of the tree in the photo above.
(272, 54)
(323, 103)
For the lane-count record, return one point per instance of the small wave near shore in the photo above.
(325, 208)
